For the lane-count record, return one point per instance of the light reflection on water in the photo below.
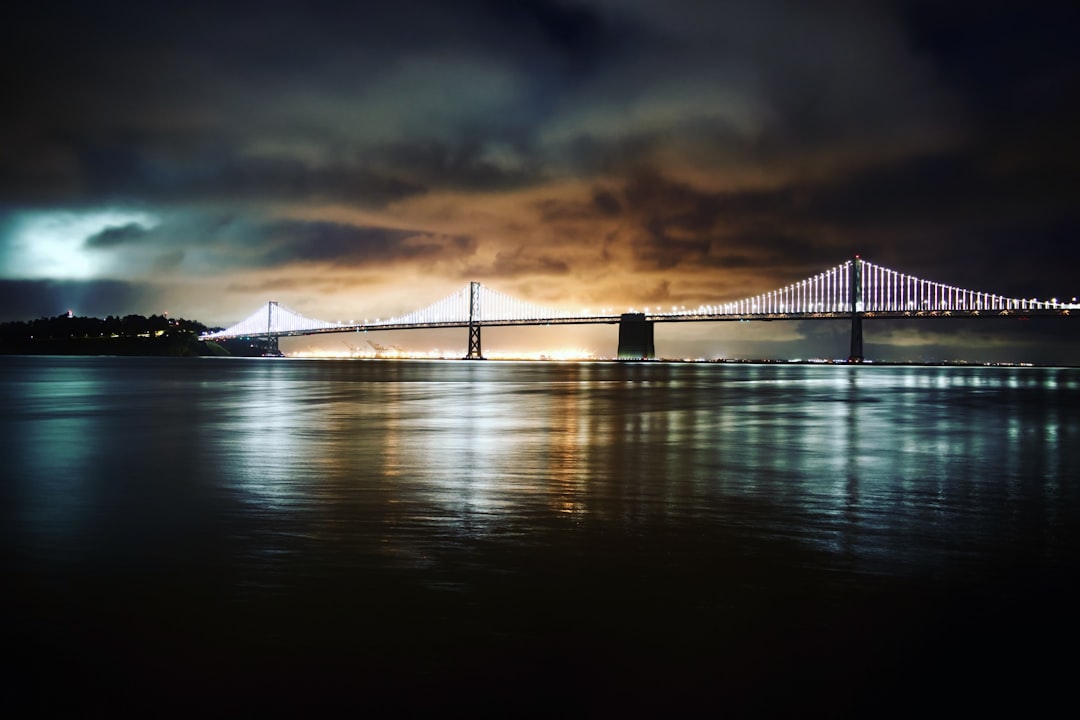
(692, 495)
(474, 445)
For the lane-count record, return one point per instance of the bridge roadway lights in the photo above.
(636, 337)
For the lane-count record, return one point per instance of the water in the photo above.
(549, 539)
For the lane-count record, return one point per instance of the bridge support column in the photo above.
(475, 352)
(271, 348)
(265, 345)
(856, 355)
(856, 299)
(636, 337)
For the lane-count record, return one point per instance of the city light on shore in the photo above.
(563, 354)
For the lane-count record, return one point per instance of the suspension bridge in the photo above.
(853, 290)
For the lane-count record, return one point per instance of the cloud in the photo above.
(168, 261)
(463, 165)
(519, 262)
(117, 235)
(596, 151)
(771, 83)
(371, 105)
(664, 224)
(304, 283)
(65, 243)
(289, 241)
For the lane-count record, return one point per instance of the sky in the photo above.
(355, 159)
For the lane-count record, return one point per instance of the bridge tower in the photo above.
(272, 347)
(636, 337)
(475, 352)
(856, 299)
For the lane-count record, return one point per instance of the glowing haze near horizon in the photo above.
(356, 159)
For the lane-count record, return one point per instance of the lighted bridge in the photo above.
(855, 289)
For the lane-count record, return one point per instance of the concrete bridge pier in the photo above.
(856, 354)
(636, 337)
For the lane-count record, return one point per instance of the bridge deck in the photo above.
(668, 318)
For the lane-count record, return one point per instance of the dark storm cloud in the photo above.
(676, 224)
(292, 283)
(1003, 157)
(965, 209)
(222, 243)
(961, 208)
(1014, 63)
(281, 179)
(131, 233)
(288, 242)
(181, 102)
(368, 103)
(468, 164)
(606, 202)
(168, 261)
(121, 169)
(757, 82)
(519, 262)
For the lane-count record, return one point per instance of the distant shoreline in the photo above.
(9, 352)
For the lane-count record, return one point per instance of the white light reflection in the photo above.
(261, 444)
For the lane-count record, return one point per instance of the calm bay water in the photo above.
(516, 538)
